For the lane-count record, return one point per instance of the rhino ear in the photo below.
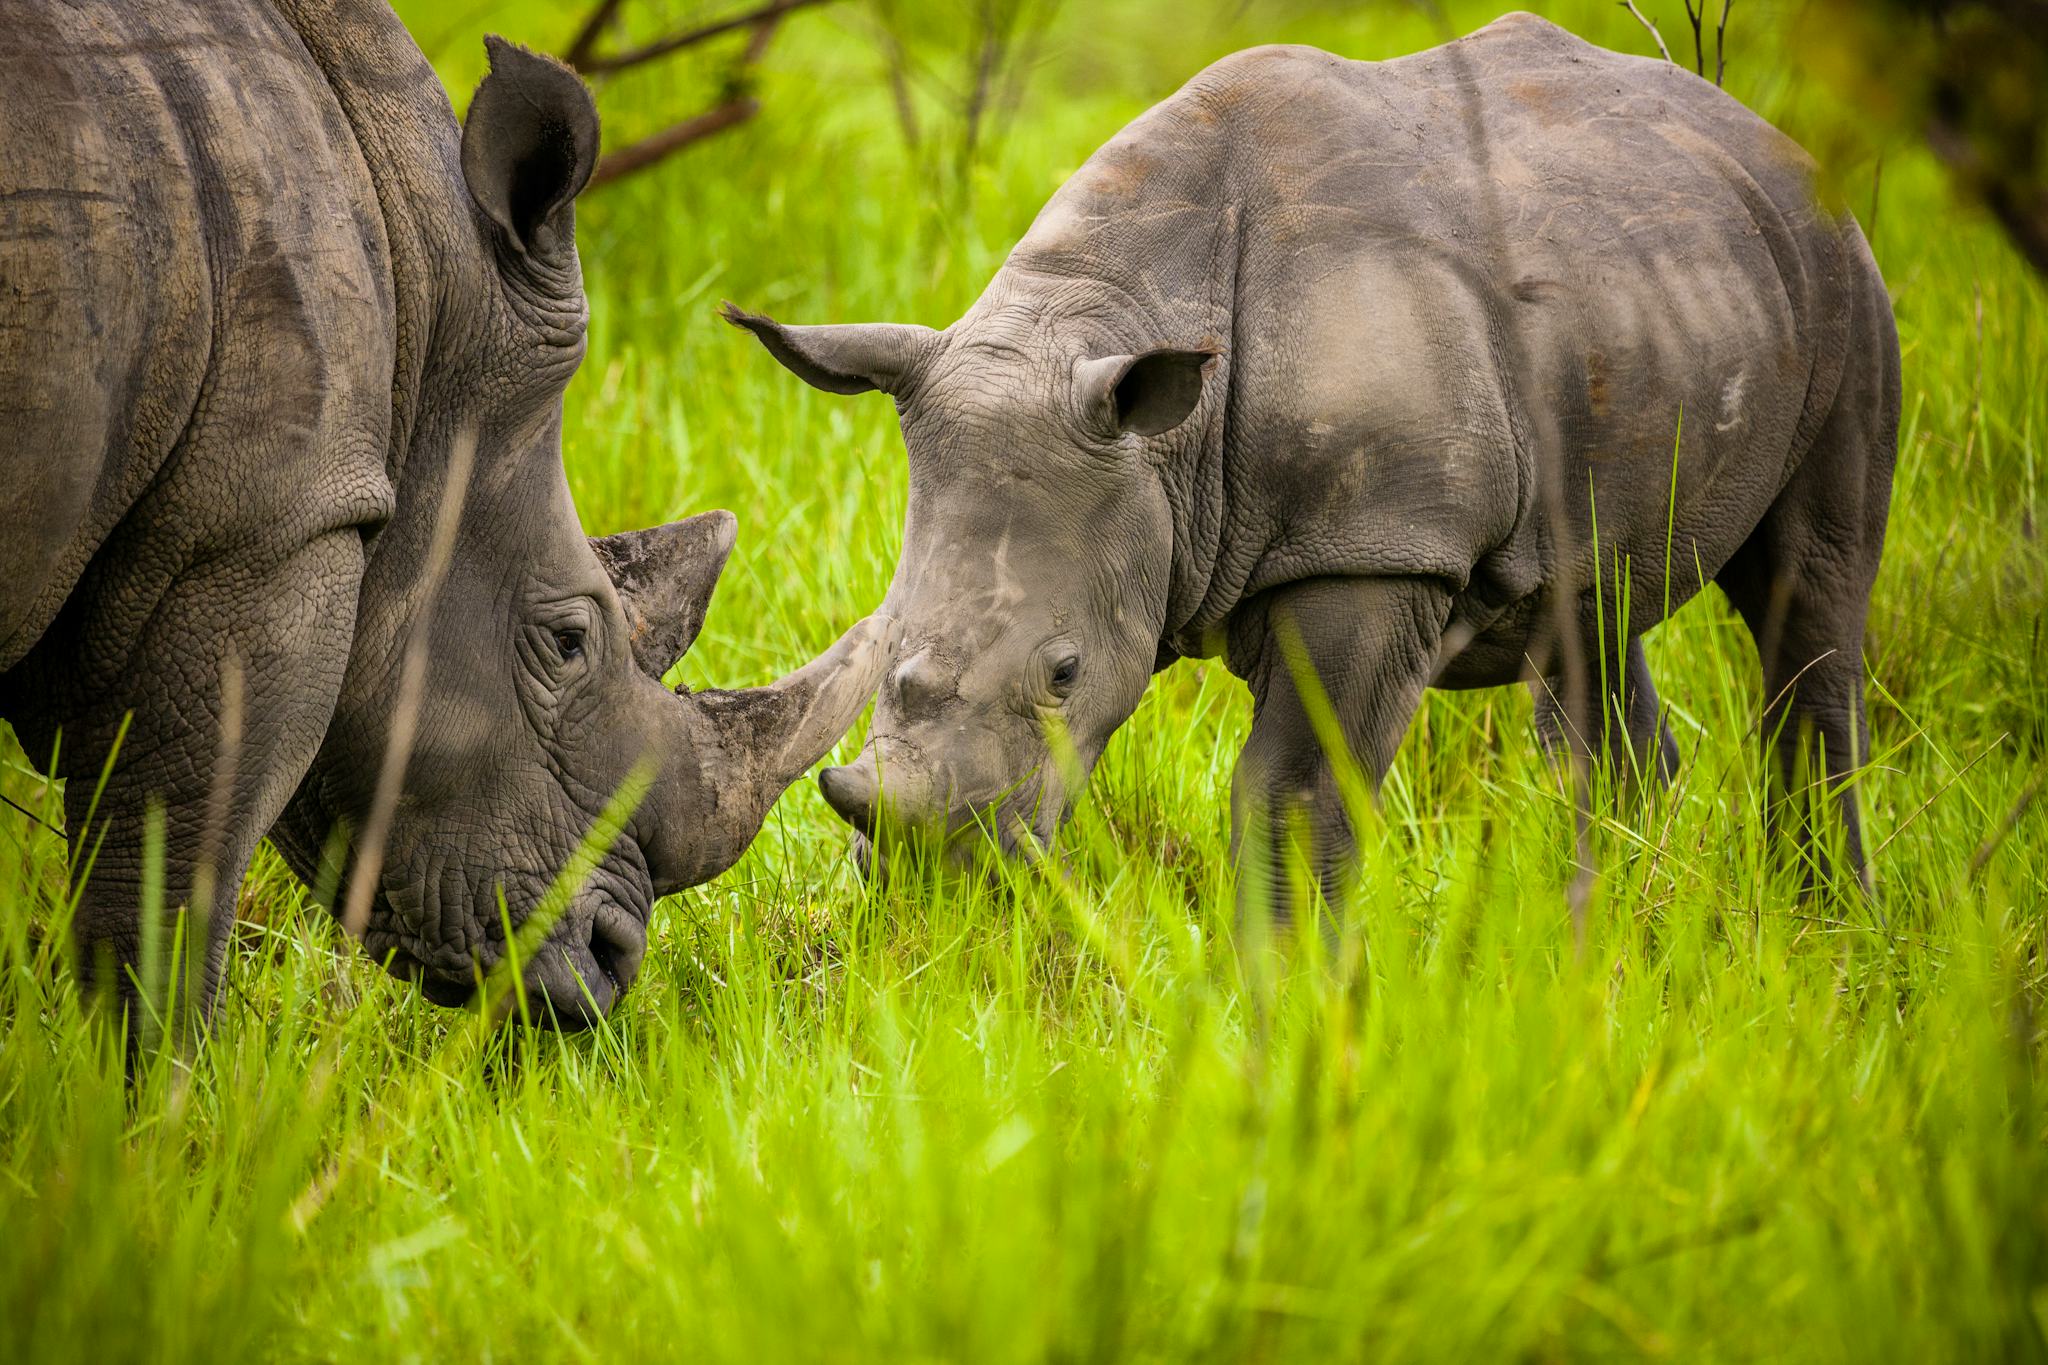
(1142, 394)
(528, 145)
(664, 577)
(852, 358)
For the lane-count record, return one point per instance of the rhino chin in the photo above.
(572, 978)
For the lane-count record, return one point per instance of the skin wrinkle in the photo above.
(1452, 324)
(288, 313)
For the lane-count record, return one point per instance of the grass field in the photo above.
(1063, 1117)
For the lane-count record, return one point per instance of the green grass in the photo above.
(1062, 1118)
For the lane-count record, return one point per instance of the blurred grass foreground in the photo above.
(1063, 1117)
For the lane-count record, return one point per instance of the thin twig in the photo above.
(640, 155)
(1922, 809)
(899, 83)
(1721, 42)
(1699, 50)
(32, 815)
(675, 42)
(757, 46)
(1827, 922)
(584, 46)
(1982, 857)
(1650, 24)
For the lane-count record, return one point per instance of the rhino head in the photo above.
(1037, 551)
(543, 686)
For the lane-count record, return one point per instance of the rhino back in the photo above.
(192, 277)
(1432, 273)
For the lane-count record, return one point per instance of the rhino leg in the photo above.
(1801, 583)
(282, 630)
(1621, 721)
(1370, 645)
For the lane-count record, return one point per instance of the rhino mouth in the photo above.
(588, 958)
(1008, 828)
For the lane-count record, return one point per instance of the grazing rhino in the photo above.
(1367, 359)
(256, 290)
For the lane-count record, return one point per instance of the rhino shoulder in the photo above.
(1258, 74)
(1520, 26)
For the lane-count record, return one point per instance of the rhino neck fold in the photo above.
(407, 136)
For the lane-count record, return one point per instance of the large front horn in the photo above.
(733, 753)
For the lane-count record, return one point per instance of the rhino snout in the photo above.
(584, 966)
(574, 978)
(850, 792)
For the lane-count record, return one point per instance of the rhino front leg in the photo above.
(256, 646)
(1369, 646)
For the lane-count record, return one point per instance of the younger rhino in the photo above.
(255, 291)
(1356, 355)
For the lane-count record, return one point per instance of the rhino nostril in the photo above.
(850, 796)
(608, 956)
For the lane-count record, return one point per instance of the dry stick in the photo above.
(995, 48)
(899, 91)
(1943, 791)
(1699, 50)
(412, 686)
(8, 800)
(1010, 98)
(584, 45)
(737, 109)
(1982, 857)
(640, 155)
(1721, 42)
(1650, 24)
(757, 46)
(675, 42)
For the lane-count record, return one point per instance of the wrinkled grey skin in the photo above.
(1347, 353)
(254, 284)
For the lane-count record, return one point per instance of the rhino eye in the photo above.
(1064, 674)
(569, 643)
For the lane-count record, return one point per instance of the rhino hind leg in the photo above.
(1621, 721)
(1801, 584)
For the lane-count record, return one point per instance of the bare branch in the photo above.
(599, 65)
(1699, 50)
(638, 156)
(1650, 24)
(584, 46)
(757, 46)
(899, 90)
(8, 800)
(1721, 43)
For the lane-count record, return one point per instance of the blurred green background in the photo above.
(1063, 1117)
